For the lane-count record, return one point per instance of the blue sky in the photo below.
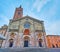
(46, 10)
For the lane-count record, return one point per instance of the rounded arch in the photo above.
(26, 38)
(40, 40)
(12, 34)
(39, 35)
(10, 40)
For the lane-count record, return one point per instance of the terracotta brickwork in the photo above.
(53, 41)
(18, 13)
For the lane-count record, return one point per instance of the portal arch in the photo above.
(26, 41)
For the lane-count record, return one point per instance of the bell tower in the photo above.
(18, 13)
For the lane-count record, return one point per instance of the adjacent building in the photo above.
(3, 31)
(53, 41)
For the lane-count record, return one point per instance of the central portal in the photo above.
(26, 41)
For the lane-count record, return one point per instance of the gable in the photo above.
(28, 17)
(31, 18)
(19, 23)
(34, 24)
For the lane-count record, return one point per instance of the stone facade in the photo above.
(25, 32)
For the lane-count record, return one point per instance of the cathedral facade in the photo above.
(24, 31)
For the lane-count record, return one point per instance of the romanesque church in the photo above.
(24, 31)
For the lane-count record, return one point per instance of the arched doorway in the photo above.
(57, 45)
(10, 42)
(26, 41)
(53, 45)
(40, 42)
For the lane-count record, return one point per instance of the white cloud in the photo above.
(38, 4)
(48, 15)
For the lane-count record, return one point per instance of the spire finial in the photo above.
(20, 6)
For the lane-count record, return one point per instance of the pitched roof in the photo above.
(27, 17)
